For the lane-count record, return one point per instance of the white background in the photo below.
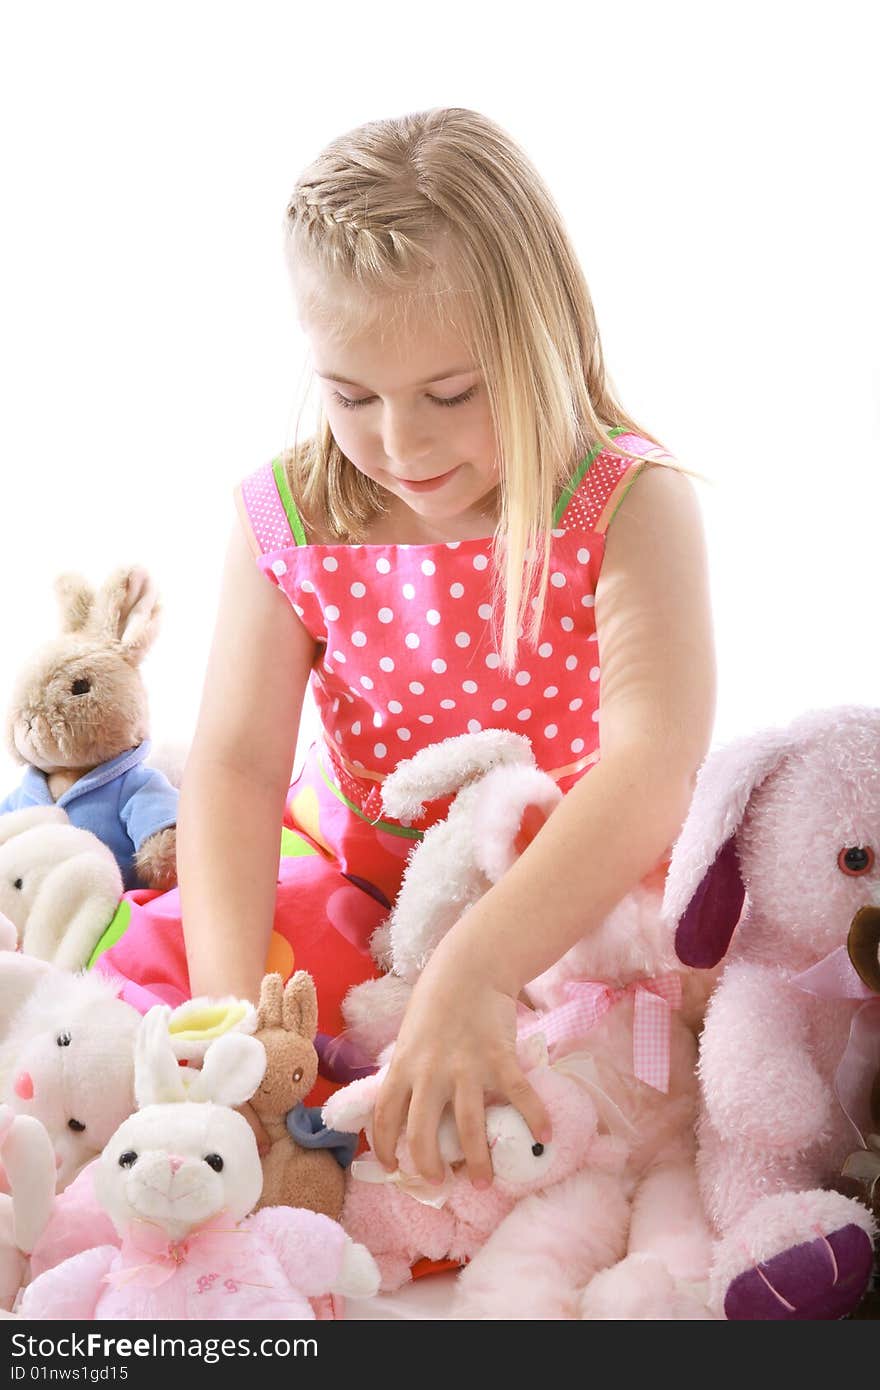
(716, 165)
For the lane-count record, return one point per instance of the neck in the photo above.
(400, 525)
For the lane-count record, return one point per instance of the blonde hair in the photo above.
(441, 206)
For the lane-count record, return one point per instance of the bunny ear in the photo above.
(76, 597)
(233, 1068)
(127, 611)
(157, 1078)
(704, 891)
(271, 996)
(446, 767)
(514, 803)
(299, 1009)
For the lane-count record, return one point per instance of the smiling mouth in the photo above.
(427, 484)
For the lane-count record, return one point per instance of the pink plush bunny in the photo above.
(570, 1190)
(787, 821)
(178, 1179)
(643, 1049)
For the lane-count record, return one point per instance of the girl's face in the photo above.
(408, 406)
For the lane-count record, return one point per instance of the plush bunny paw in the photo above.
(796, 1256)
(641, 1289)
(822, 1279)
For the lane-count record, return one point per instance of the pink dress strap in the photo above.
(592, 497)
(268, 511)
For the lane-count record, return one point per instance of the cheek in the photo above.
(356, 439)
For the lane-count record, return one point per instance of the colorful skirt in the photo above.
(338, 875)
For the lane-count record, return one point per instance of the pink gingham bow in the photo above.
(586, 1001)
(147, 1258)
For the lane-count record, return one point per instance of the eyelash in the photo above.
(452, 400)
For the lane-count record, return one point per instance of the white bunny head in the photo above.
(185, 1155)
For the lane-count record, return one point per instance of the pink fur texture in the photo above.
(561, 1208)
(661, 1264)
(771, 816)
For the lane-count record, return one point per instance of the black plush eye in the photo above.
(537, 1150)
(128, 1159)
(18, 882)
(77, 1126)
(214, 1161)
(81, 686)
(856, 860)
(298, 1074)
(63, 1039)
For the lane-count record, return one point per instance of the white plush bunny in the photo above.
(66, 1056)
(59, 885)
(502, 800)
(29, 1163)
(178, 1179)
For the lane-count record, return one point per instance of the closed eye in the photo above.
(438, 401)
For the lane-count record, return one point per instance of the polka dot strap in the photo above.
(605, 480)
(268, 511)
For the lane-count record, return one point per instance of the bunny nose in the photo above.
(174, 1162)
(24, 1086)
(862, 945)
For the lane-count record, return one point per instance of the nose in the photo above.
(405, 438)
(23, 1086)
(174, 1162)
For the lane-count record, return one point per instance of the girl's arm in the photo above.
(236, 778)
(657, 701)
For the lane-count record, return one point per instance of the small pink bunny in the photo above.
(570, 1189)
(178, 1179)
(788, 821)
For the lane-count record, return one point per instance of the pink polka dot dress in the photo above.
(407, 651)
(407, 656)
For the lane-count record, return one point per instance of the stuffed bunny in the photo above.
(554, 1214)
(66, 1056)
(502, 801)
(293, 1175)
(621, 996)
(78, 719)
(29, 1163)
(780, 847)
(178, 1179)
(60, 886)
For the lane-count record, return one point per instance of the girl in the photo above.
(477, 536)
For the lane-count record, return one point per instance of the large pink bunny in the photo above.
(786, 821)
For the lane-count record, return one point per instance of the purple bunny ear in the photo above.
(704, 891)
(709, 920)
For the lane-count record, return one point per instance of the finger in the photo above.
(425, 1109)
(389, 1118)
(470, 1121)
(524, 1098)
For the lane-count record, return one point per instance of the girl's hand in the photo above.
(457, 1041)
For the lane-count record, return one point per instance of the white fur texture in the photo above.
(88, 1078)
(69, 885)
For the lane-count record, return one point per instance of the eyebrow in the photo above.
(346, 381)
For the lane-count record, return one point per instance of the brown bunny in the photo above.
(287, 1018)
(78, 718)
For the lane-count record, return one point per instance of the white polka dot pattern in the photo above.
(412, 649)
